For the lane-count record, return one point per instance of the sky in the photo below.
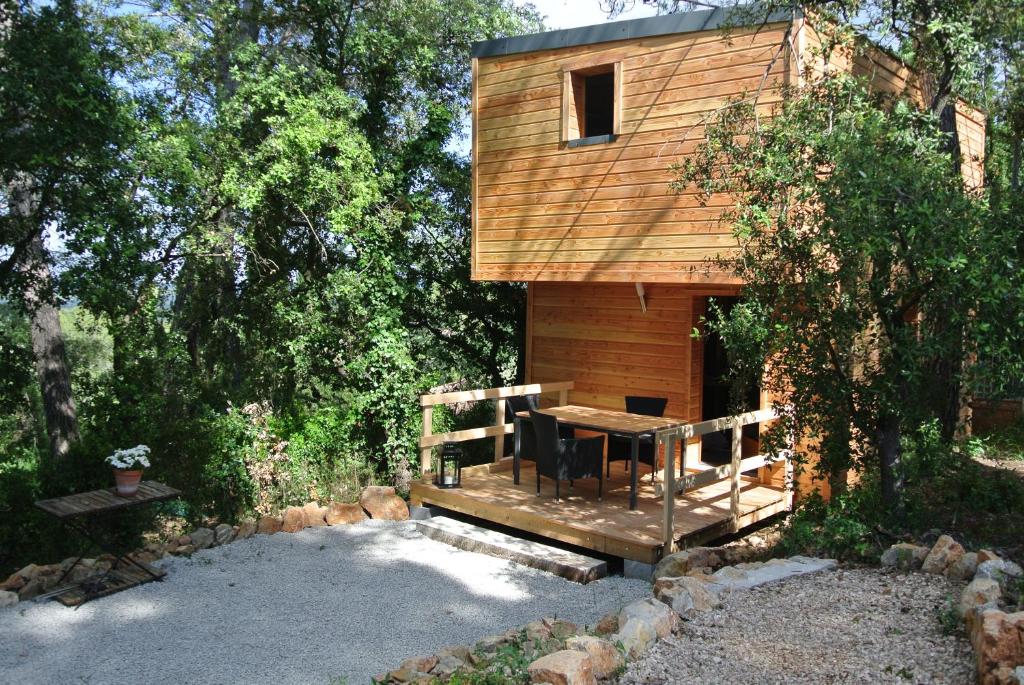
(567, 14)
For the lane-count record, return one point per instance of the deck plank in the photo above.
(608, 526)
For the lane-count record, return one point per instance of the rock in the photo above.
(185, 550)
(559, 629)
(987, 555)
(406, 675)
(338, 513)
(246, 529)
(13, 583)
(605, 658)
(421, 664)
(537, 631)
(381, 502)
(184, 539)
(294, 520)
(460, 652)
(681, 563)
(1006, 573)
(491, 643)
(998, 641)
(8, 599)
(30, 589)
(268, 525)
(963, 568)
(565, 667)
(202, 538)
(657, 615)
(946, 551)
(313, 515)
(1018, 673)
(636, 637)
(979, 592)
(904, 556)
(449, 664)
(687, 595)
(607, 624)
(223, 534)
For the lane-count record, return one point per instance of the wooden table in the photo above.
(632, 426)
(74, 512)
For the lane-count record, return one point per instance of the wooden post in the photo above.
(563, 398)
(499, 420)
(737, 457)
(428, 429)
(668, 506)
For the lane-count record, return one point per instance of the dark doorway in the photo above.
(716, 448)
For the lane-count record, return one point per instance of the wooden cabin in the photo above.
(573, 135)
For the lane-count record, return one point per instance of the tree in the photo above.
(61, 142)
(855, 236)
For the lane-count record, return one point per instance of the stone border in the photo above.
(562, 653)
(377, 502)
(995, 627)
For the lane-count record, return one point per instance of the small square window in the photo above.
(591, 100)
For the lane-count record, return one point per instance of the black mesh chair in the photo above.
(514, 405)
(619, 446)
(561, 459)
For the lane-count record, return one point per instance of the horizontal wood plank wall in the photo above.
(597, 336)
(544, 211)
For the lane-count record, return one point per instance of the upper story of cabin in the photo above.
(574, 133)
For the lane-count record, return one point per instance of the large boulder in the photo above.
(652, 612)
(963, 568)
(688, 595)
(636, 637)
(1006, 573)
(268, 525)
(293, 520)
(314, 515)
(246, 529)
(998, 641)
(202, 538)
(607, 624)
(223, 534)
(944, 552)
(904, 556)
(338, 513)
(605, 658)
(381, 502)
(681, 563)
(980, 592)
(565, 667)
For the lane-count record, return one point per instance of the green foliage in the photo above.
(868, 269)
(949, 618)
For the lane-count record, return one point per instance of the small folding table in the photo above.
(77, 512)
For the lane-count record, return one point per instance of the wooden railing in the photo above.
(731, 471)
(498, 430)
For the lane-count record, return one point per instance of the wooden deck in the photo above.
(607, 526)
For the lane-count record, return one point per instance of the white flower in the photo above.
(133, 457)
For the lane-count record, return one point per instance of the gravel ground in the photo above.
(337, 604)
(848, 626)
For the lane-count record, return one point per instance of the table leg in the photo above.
(634, 459)
(516, 439)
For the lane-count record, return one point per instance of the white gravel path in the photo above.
(337, 604)
(850, 626)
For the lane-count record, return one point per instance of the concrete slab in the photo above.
(569, 565)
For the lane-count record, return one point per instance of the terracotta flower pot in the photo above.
(127, 481)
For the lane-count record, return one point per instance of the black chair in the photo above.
(514, 405)
(561, 459)
(619, 446)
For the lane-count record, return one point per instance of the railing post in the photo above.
(499, 420)
(428, 429)
(737, 457)
(563, 398)
(668, 535)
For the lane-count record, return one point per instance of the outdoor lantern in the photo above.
(450, 473)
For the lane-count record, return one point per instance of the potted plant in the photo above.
(128, 465)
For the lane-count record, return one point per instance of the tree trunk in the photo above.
(47, 336)
(890, 458)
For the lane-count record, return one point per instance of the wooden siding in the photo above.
(545, 211)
